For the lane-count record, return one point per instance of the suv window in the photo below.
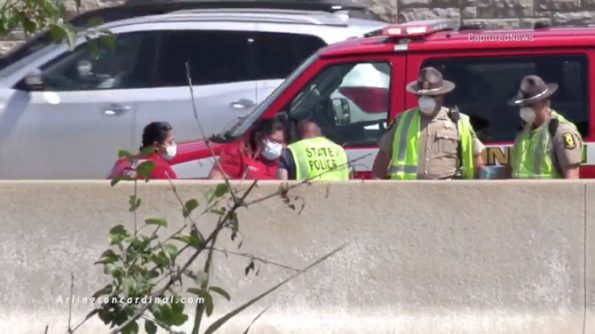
(120, 67)
(280, 53)
(484, 86)
(214, 57)
(350, 102)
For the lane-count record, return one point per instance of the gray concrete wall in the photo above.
(422, 257)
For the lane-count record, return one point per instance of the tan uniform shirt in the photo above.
(438, 144)
(565, 148)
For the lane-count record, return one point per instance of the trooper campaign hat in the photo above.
(532, 89)
(430, 82)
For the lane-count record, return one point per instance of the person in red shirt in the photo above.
(255, 158)
(159, 138)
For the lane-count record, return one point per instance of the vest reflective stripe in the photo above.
(406, 145)
(531, 158)
(405, 148)
(319, 159)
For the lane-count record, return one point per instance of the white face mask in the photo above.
(170, 151)
(427, 105)
(271, 150)
(527, 114)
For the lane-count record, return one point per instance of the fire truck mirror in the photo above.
(341, 110)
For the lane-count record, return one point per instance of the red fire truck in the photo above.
(354, 88)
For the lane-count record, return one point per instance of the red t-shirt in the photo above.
(161, 171)
(237, 164)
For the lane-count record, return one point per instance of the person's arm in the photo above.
(384, 156)
(216, 174)
(282, 174)
(231, 164)
(380, 166)
(572, 172)
(568, 151)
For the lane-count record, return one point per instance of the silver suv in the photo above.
(93, 103)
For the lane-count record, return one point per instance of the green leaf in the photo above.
(134, 202)
(147, 150)
(221, 189)
(131, 328)
(108, 257)
(189, 207)
(156, 221)
(195, 239)
(171, 251)
(117, 179)
(172, 315)
(150, 327)
(109, 39)
(129, 286)
(125, 154)
(106, 290)
(58, 32)
(220, 291)
(145, 168)
(95, 21)
(201, 278)
(208, 299)
(29, 25)
(118, 234)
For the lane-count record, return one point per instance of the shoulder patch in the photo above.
(569, 141)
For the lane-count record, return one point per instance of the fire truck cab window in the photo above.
(349, 101)
(484, 86)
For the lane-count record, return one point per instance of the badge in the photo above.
(568, 141)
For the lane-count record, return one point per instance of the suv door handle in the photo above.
(115, 110)
(242, 104)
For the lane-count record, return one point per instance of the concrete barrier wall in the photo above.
(421, 257)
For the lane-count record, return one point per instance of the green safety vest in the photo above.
(406, 145)
(530, 152)
(319, 159)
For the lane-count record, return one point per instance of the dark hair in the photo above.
(263, 128)
(155, 132)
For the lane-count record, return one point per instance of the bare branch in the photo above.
(262, 260)
(70, 306)
(203, 134)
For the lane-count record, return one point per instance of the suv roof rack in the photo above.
(261, 15)
(317, 5)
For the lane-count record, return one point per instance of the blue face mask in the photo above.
(170, 151)
(272, 150)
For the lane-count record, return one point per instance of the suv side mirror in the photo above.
(341, 110)
(34, 81)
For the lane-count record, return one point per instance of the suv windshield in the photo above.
(238, 128)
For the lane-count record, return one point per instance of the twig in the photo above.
(258, 316)
(70, 306)
(250, 256)
(167, 327)
(46, 329)
(202, 132)
(308, 180)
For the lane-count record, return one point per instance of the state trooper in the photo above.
(430, 141)
(549, 146)
(313, 157)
